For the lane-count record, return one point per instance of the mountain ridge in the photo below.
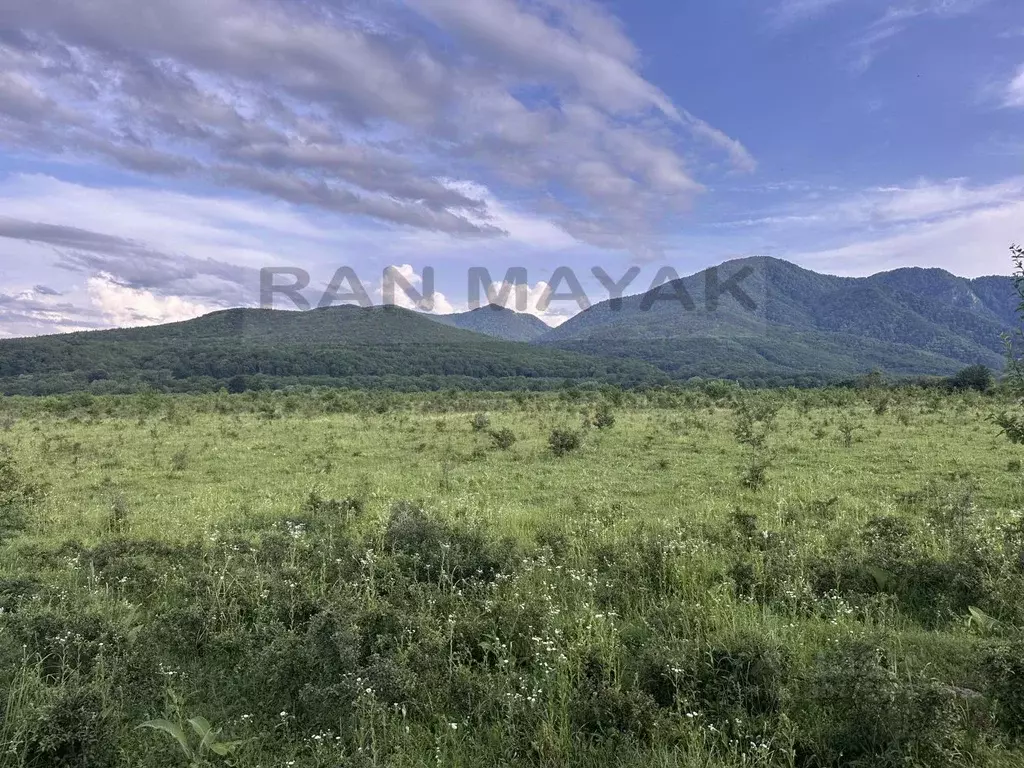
(758, 320)
(909, 320)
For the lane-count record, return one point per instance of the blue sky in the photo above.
(152, 162)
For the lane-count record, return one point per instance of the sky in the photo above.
(156, 156)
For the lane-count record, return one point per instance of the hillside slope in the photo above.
(340, 346)
(801, 323)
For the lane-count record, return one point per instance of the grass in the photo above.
(331, 579)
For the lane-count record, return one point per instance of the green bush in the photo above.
(503, 438)
(861, 712)
(976, 377)
(604, 417)
(564, 441)
(1004, 670)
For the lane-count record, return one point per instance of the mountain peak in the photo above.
(498, 322)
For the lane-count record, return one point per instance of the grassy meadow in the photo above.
(693, 578)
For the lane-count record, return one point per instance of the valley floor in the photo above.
(701, 578)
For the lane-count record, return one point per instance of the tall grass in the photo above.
(303, 590)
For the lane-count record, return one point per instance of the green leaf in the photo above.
(982, 620)
(883, 578)
(201, 726)
(224, 748)
(174, 730)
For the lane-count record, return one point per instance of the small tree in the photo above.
(976, 377)
(604, 417)
(237, 384)
(1013, 424)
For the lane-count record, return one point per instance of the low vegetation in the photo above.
(349, 579)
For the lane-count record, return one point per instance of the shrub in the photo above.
(16, 495)
(333, 509)
(606, 713)
(481, 421)
(846, 432)
(860, 712)
(430, 549)
(754, 423)
(179, 461)
(503, 438)
(755, 474)
(1004, 670)
(72, 732)
(604, 418)
(564, 441)
(117, 519)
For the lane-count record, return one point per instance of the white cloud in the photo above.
(394, 286)
(962, 227)
(250, 232)
(789, 12)
(1014, 96)
(871, 40)
(929, 200)
(969, 244)
(533, 300)
(886, 207)
(522, 227)
(125, 307)
(356, 113)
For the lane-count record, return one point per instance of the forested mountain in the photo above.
(498, 322)
(801, 323)
(340, 346)
(760, 321)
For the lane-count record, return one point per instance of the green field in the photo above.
(711, 578)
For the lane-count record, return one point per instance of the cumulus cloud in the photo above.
(351, 108)
(538, 300)
(402, 286)
(123, 306)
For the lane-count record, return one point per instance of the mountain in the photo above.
(761, 321)
(339, 346)
(498, 322)
(763, 318)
